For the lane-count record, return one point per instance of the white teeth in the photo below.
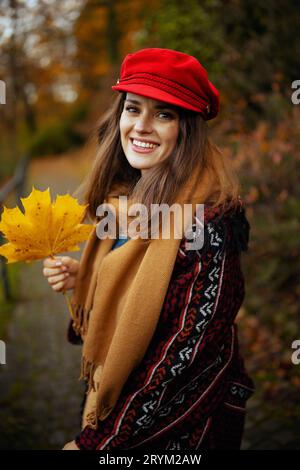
(144, 144)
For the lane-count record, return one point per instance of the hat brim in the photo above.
(156, 94)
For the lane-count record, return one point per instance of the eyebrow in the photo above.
(158, 106)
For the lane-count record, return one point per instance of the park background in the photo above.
(58, 60)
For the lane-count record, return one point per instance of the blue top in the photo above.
(119, 242)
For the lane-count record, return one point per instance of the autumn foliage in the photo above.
(45, 229)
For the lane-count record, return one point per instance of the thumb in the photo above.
(70, 263)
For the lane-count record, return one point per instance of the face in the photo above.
(149, 131)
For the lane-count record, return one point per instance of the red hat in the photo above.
(170, 76)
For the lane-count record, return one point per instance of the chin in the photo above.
(139, 165)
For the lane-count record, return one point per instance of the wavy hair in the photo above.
(193, 150)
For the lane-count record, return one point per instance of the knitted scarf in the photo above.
(116, 302)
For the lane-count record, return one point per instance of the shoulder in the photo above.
(223, 226)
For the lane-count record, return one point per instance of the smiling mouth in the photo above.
(142, 147)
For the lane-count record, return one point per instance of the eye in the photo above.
(166, 115)
(130, 107)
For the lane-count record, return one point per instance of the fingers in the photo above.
(55, 279)
(52, 262)
(60, 272)
(58, 282)
(59, 286)
(50, 268)
(61, 263)
(52, 271)
(70, 264)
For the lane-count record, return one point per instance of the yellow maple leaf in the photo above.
(45, 228)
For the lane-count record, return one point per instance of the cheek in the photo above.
(172, 135)
(121, 124)
(124, 125)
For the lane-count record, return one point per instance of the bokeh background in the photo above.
(58, 60)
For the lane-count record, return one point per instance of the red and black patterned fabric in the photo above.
(191, 388)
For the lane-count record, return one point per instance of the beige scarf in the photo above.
(117, 300)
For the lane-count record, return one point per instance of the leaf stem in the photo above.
(67, 298)
(69, 304)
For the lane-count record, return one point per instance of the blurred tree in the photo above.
(191, 26)
(35, 62)
(260, 47)
(91, 57)
(67, 52)
(248, 48)
(104, 32)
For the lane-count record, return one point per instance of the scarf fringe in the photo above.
(92, 419)
(81, 318)
(80, 325)
(88, 369)
(99, 412)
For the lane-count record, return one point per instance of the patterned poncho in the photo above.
(191, 388)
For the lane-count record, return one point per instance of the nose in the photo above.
(143, 123)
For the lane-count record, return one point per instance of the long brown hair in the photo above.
(193, 150)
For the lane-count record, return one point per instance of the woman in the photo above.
(156, 317)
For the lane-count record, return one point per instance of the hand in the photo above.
(61, 277)
(71, 446)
